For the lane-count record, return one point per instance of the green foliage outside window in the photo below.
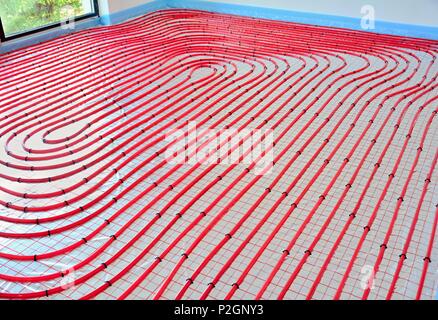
(22, 15)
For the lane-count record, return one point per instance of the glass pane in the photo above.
(23, 15)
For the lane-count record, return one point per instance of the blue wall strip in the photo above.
(386, 27)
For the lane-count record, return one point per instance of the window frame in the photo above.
(4, 38)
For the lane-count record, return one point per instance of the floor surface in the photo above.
(186, 154)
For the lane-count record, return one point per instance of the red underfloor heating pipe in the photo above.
(116, 182)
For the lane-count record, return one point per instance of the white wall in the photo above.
(113, 6)
(419, 12)
(119, 5)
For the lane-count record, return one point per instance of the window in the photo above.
(24, 17)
